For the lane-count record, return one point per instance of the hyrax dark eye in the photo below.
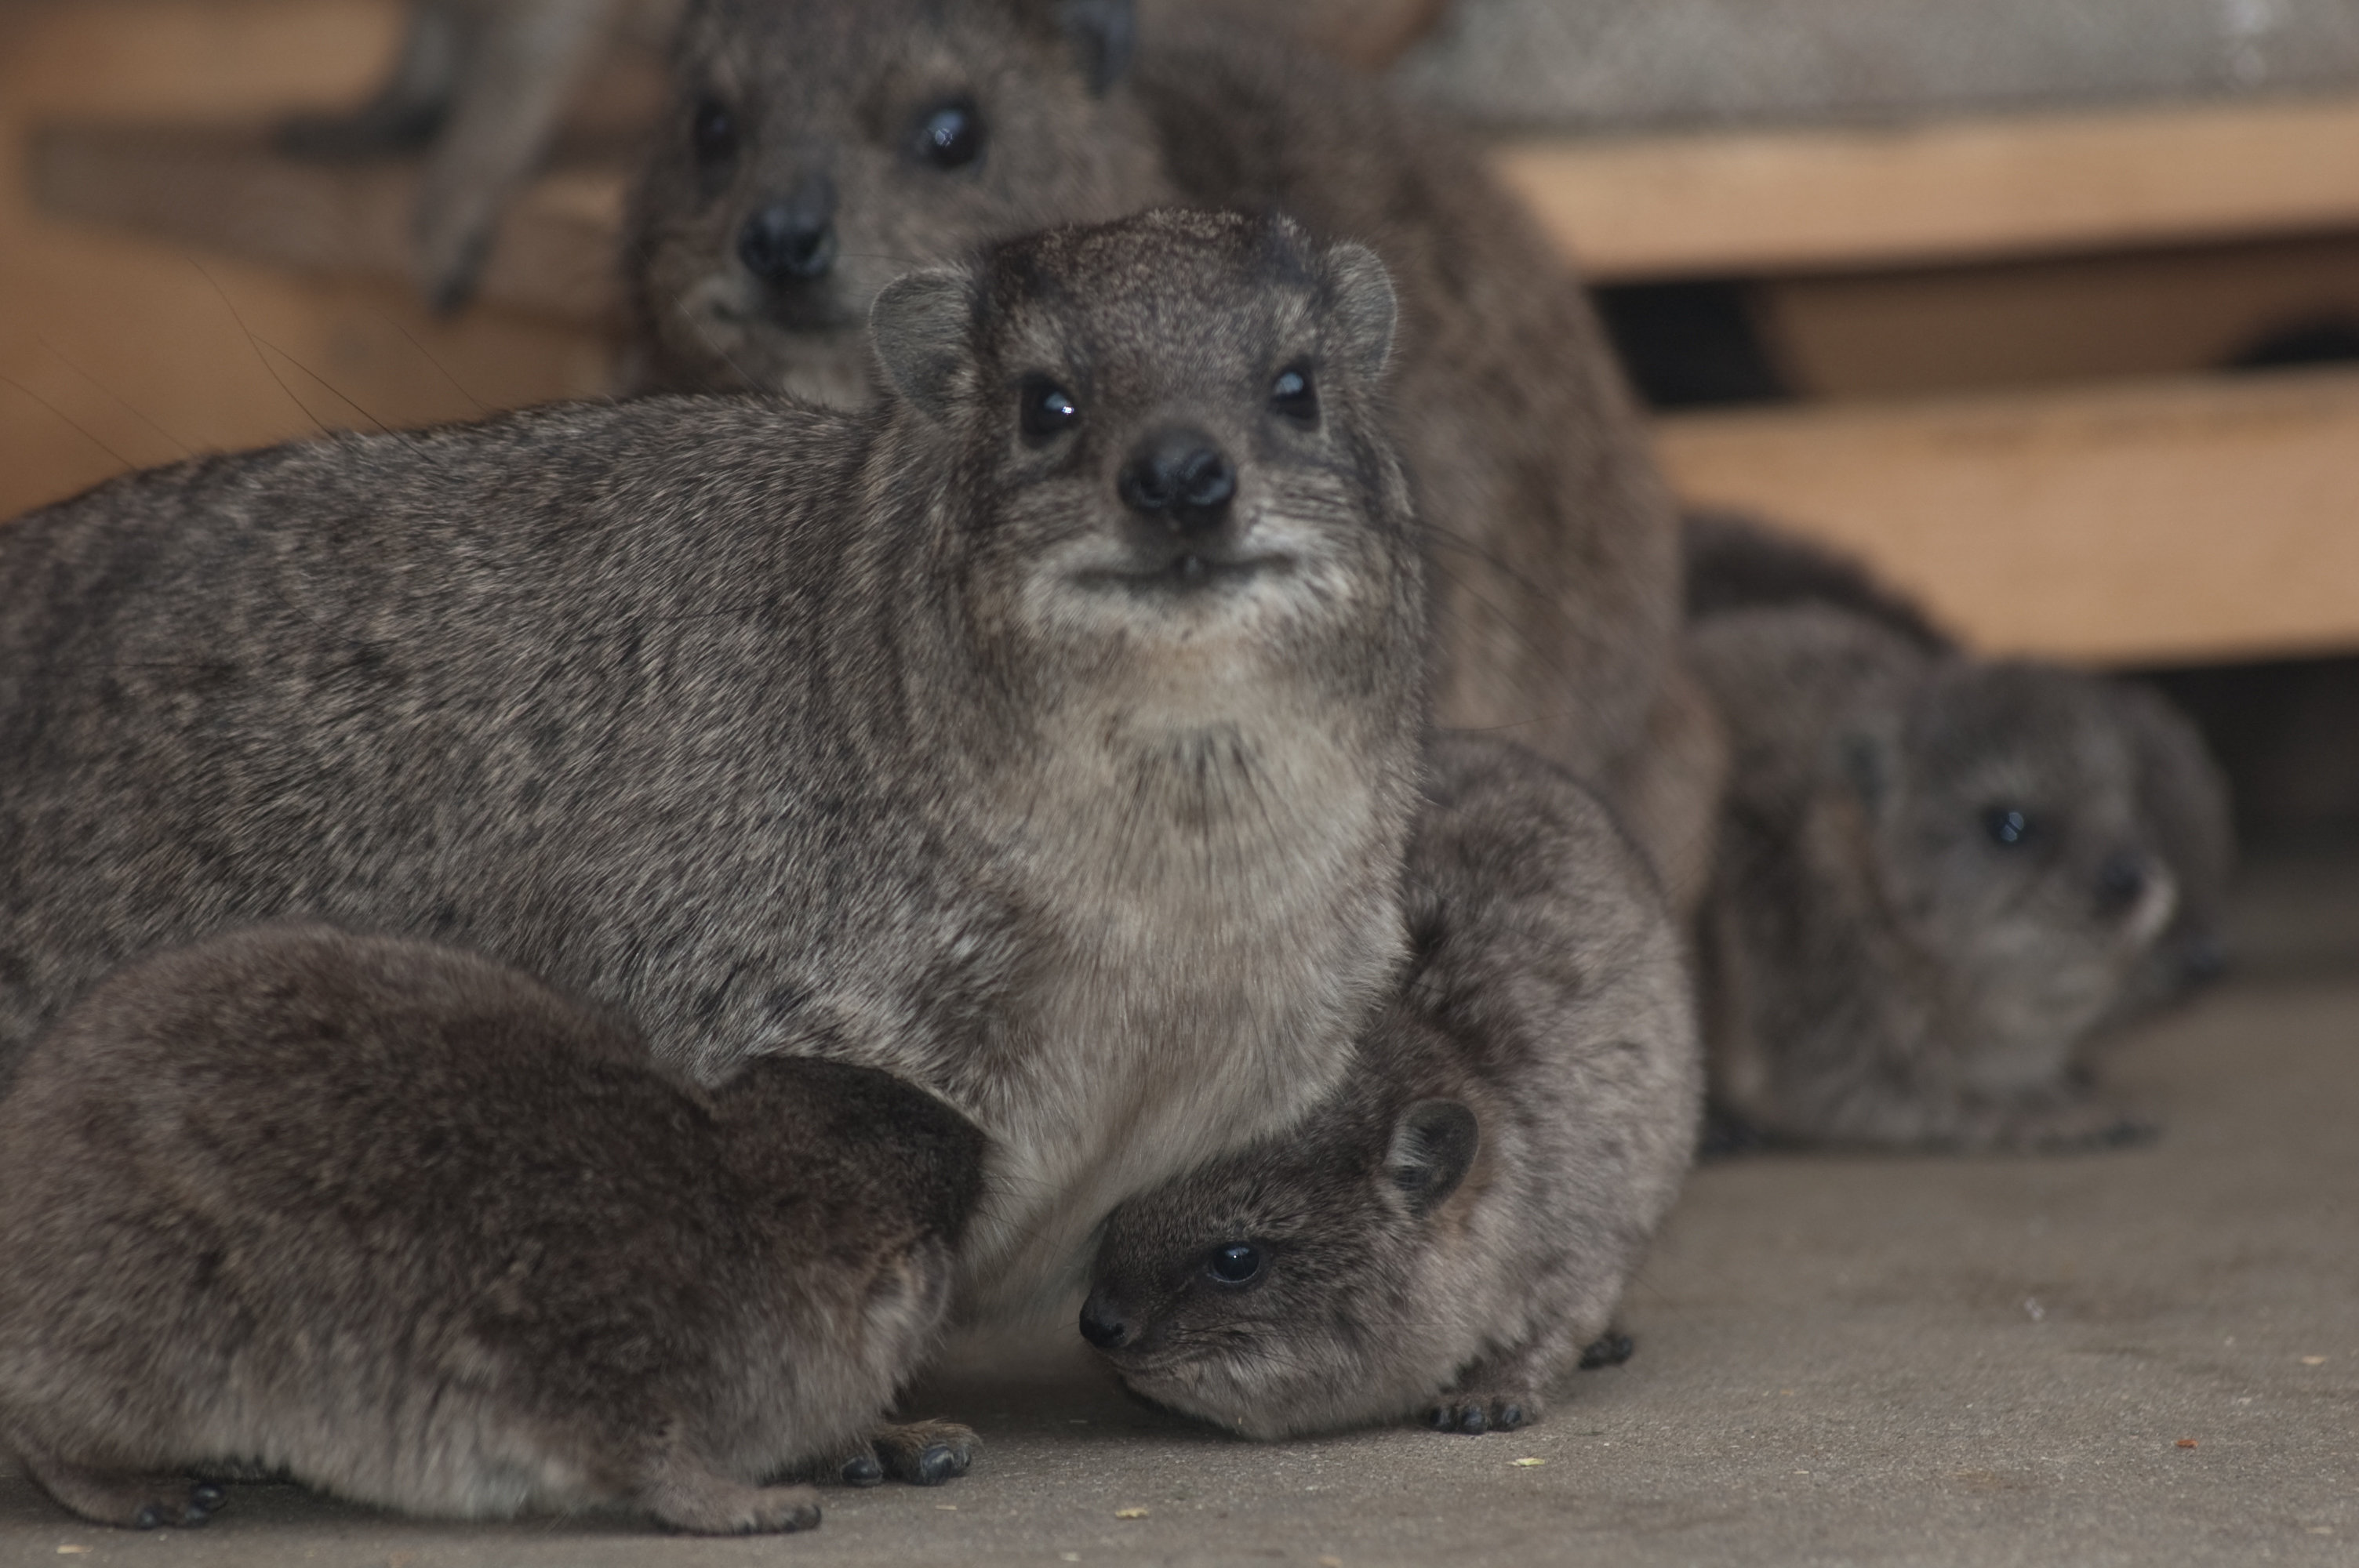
(1292, 394)
(1237, 1265)
(1047, 409)
(2008, 826)
(712, 132)
(951, 136)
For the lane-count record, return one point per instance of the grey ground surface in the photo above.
(1841, 1359)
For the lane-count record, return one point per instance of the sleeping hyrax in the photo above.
(1045, 735)
(816, 148)
(1737, 563)
(1450, 1230)
(1934, 877)
(407, 1225)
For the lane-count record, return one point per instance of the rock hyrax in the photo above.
(816, 148)
(407, 1225)
(1448, 1231)
(1935, 875)
(1737, 563)
(1047, 735)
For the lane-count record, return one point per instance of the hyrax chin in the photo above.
(1936, 875)
(1045, 735)
(404, 1225)
(1448, 1231)
(815, 149)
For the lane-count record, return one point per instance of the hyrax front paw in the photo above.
(2067, 1125)
(922, 1453)
(126, 1499)
(1475, 1414)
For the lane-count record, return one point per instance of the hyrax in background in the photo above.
(405, 1224)
(1451, 1229)
(1735, 562)
(1045, 735)
(817, 149)
(1935, 876)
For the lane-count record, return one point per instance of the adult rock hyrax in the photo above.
(405, 1224)
(1045, 735)
(1448, 1232)
(1735, 562)
(1934, 877)
(816, 148)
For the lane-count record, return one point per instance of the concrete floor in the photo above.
(1841, 1359)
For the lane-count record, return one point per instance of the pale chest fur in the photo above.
(1224, 908)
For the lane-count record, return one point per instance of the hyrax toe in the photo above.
(926, 1453)
(127, 1499)
(1610, 1348)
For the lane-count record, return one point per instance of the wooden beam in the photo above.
(2190, 520)
(226, 188)
(1852, 199)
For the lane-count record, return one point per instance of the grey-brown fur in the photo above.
(1451, 1230)
(1887, 957)
(1552, 545)
(892, 736)
(407, 1225)
(1735, 562)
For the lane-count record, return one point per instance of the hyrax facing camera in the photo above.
(407, 1225)
(815, 149)
(1456, 1224)
(1935, 875)
(1047, 737)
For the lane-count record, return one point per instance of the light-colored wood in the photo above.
(2152, 523)
(119, 350)
(1859, 198)
(2051, 322)
(226, 190)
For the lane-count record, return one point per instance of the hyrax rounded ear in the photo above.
(1433, 1143)
(1361, 308)
(1102, 33)
(920, 325)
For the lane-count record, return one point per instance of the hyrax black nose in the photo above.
(1102, 1324)
(794, 238)
(2121, 879)
(1179, 478)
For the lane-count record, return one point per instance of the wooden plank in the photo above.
(1861, 198)
(226, 188)
(2025, 324)
(2152, 523)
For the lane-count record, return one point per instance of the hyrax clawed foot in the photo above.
(923, 1453)
(704, 1503)
(1610, 1348)
(126, 1499)
(1475, 1414)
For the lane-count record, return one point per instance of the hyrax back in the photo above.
(1936, 874)
(1451, 1229)
(411, 1227)
(815, 149)
(1045, 736)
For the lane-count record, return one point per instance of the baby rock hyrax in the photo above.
(409, 1227)
(816, 148)
(1735, 562)
(1045, 735)
(1451, 1229)
(1934, 876)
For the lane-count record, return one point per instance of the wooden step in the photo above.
(2150, 523)
(1860, 198)
(226, 188)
